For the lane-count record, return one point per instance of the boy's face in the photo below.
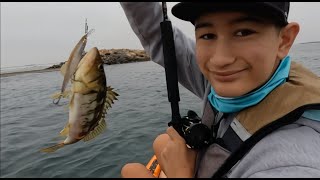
(235, 52)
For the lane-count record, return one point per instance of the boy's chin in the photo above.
(230, 91)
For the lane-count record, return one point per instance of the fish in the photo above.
(71, 64)
(90, 98)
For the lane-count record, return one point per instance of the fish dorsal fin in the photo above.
(65, 130)
(107, 105)
(111, 95)
(97, 130)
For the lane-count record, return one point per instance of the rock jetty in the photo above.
(117, 56)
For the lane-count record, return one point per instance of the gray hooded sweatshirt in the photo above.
(291, 151)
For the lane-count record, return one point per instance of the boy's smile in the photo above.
(236, 52)
(227, 76)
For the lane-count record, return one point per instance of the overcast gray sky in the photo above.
(46, 32)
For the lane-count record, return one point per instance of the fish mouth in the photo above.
(91, 62)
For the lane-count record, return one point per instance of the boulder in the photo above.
(117, 56)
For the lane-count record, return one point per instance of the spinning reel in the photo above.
(196, 134)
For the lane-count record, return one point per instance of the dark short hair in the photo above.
(276, 12)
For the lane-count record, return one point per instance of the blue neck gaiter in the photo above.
(235, 104)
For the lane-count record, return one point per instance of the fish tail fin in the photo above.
(52, 148)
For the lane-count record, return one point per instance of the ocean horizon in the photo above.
(33, 67)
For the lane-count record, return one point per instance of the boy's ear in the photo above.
(288, 34)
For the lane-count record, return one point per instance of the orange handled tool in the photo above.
(154, 166)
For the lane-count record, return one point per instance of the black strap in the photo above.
(231, 140)
(247, 145)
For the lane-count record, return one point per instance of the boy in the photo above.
(239, 66)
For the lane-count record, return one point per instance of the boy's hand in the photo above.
(177, 160)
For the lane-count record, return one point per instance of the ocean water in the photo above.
(29, 120)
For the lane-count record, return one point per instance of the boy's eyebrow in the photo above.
(202, 25)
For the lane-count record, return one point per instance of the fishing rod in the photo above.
(170, 65)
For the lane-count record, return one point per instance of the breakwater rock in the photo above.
(117, 56)
(120, 56)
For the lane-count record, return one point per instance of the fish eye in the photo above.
(100, 66)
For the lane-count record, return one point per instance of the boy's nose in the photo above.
(222, 55)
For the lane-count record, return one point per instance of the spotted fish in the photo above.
(90, 98)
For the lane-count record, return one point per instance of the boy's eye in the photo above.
(244, 32)
(208, 36)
